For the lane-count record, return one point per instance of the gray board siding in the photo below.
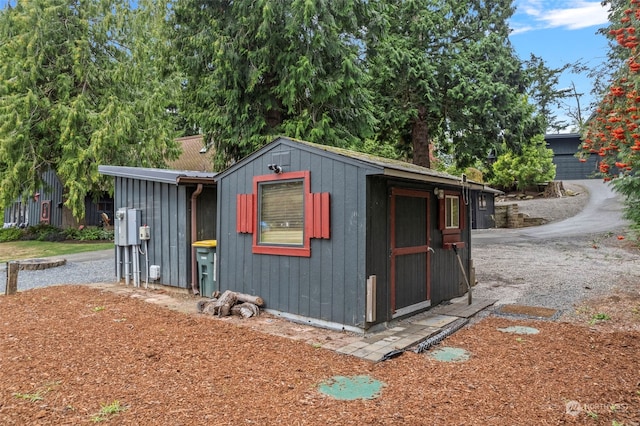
(329, 285)
(52, 190)
(164, 208)
(446, 277)
(568, 167)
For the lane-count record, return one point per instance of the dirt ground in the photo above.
(112, 354)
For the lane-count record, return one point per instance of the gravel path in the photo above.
(83, 268)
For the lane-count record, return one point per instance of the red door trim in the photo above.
(399, 251)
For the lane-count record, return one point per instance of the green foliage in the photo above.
(31, 397)
(107, 411)
(42, 232)
(629, 187)
(377, 148)
(88, 233)
(542, 88)
(445, 73)
(613, 133)
(256, 69)
(474, 174)
(81, 85)
(10, 234)
(533, 165)
(600, 316)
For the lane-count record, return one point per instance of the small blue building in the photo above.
(341, 239)
(568, 167)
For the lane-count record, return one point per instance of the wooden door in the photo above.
(410, 271)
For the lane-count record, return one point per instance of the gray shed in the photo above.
(338, 238)
(568, 167)
(483, 207)
(179, 207)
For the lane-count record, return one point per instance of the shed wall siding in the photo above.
(446, 277)
(166, 210)
(567, 165)
(330, 284)
(15, 213)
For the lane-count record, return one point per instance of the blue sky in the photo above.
(562, 31)
(558, 31)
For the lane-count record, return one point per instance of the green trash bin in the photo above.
(206, 258)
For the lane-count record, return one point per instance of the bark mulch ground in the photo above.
(83, 355)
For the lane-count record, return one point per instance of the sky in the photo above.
(560, 32)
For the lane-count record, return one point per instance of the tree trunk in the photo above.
(554, 189)
(420, 139)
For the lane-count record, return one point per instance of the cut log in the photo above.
(246, 310)
(554, 189)
(228, 303)
(225, 302)
(256, 300)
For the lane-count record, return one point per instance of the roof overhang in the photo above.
(403, 174)
(176, 177)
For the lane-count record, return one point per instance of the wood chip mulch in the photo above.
(72, 355)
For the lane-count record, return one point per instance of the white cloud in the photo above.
(572, 15)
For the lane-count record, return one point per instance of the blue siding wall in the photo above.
(166, 209)
(28, 209)
(330, 284)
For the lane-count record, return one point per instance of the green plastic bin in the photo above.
(206, 258)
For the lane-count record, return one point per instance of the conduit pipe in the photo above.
(194, 236)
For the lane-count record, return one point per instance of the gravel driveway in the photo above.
(543, 267)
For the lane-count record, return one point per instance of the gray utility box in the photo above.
(126, 227)
(206, 257)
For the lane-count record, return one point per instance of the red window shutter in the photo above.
(244, 213)
(320, 207)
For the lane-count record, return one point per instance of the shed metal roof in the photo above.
(160, 175)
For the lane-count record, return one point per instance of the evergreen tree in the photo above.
(445, 73)
(255, 69)
(81, 85)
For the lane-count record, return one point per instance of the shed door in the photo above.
(409, 250)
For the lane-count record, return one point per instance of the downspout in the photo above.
(194, 236)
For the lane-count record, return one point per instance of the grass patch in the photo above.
(595, 318)
(38, 395)
(31, 397)
(107, 410)
(17, 250)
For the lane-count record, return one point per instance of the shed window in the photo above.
(452, 212)
(482, 201)
(451, 218)
(281, 213)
